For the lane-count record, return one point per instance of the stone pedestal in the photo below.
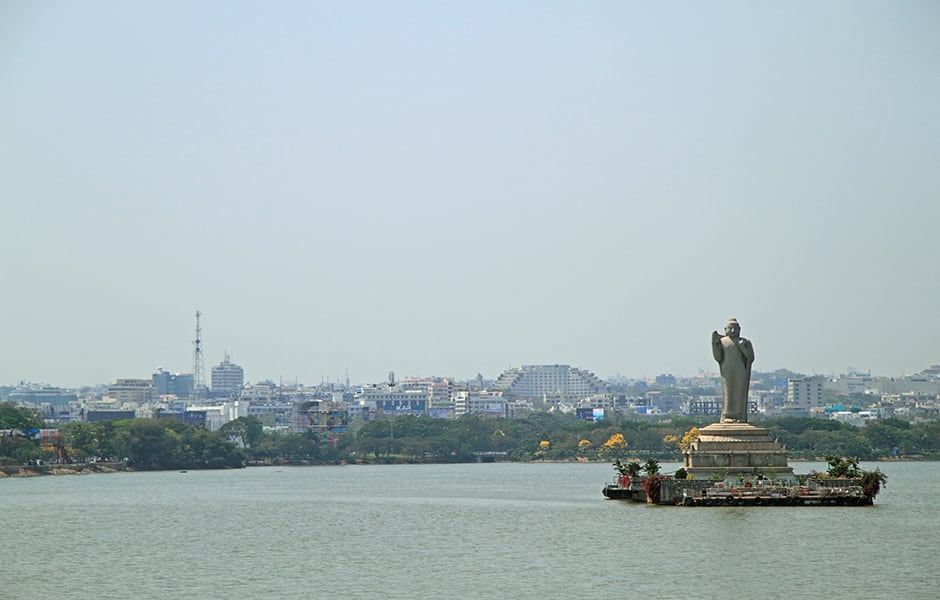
(736, 449)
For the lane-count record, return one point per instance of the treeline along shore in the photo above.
(144, 444)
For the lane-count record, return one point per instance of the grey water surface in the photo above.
(450, 531)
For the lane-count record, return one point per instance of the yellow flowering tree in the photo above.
(688, 438)
(584, 446)
(614, 447)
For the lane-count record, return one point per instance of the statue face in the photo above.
(732, 329)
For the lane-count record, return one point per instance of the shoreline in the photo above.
(68, 469)
(19, 471)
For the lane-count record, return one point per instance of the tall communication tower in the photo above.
(199, 369)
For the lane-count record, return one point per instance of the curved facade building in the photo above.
(540, 381)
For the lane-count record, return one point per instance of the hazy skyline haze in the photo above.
(458, 188)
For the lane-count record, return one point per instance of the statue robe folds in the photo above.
(735, 357)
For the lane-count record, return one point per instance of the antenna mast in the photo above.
(199, 370)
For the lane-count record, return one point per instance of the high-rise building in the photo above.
(131, 391)
(479, 403)
(805, 394)
(227, 377)
(173, 384)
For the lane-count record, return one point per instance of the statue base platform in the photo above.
(735, 450)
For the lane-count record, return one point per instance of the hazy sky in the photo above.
(453, 188)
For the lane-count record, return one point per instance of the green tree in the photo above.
(842, 467)
(106, 438)
(297, 447)
(248, 429)
(145, 444)
(21, 421)
(885, 434)
(15, 417)
(651, 467)
(631, 468)
(27, 450)
(872, 482)
(81, 439)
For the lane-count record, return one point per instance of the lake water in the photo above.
(450, 531)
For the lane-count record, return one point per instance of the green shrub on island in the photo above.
(847, 468)
(872, 482)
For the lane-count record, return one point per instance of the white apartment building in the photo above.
(805, 394)
(131, 391)
(262, 393)
(227, 377)
(479, 403)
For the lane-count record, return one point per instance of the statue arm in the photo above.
(717, 351)
(748, 351)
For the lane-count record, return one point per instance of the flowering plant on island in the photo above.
(652, 485)
(847, 467)
(653, 481)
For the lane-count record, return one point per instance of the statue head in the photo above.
(733, 329)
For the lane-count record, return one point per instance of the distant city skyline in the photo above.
(463, 187)
(227, 362)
